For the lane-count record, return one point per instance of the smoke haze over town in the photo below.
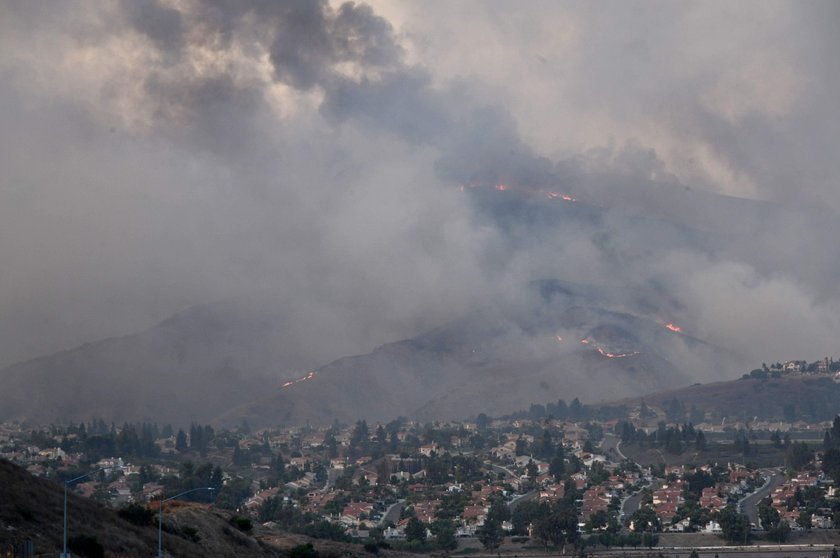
(369, 172)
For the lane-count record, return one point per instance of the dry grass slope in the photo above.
(31, 508)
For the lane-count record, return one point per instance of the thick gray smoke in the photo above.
(161, 154)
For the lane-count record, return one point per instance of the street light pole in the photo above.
(67, 484)
(64, 553)
(160, 514)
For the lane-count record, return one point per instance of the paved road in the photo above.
(612, 444)
(749, 505)
(523, 498)
(631, 503)
(500, 469)
(392, 514)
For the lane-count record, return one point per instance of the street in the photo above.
(749, 505)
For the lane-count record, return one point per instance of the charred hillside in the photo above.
(501, 358)
(246, 359)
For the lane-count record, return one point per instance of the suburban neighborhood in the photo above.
(554, 475)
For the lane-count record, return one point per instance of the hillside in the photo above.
(811, 398)
(31, 509)
(494, 360)
(231, 362)
(544, 339)
(184, 369)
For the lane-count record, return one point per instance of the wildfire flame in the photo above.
(606, 353)
(555, 195)
(674, 328)
(308, 376)
(616, 355)
(501, 187)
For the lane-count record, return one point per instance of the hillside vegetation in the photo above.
(31, 509)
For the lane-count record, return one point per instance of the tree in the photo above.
(532, 470)
(831, 464)
(734, 526)
(331, 444)
(700, 441)
(521, 446)
(776, 438)
(415, 530)
(491, 534)
(834, 433)
(524, 515)
(499, 511)
(85, 545)
(181, 440)
(444, 532)
(644, 519)
(797, 456)
(546, 449)
(804, 520)
(559, 525)
(650, 539)
(304, 551)
(596, 521)
(768, 516)
(557, 467)
(742, 442)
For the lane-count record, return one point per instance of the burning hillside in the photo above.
(531, 192)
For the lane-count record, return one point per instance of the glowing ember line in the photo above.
(501, 187)
(308, 376)
(616, 355)
(555, 196)
(606, 353)
(674, 328)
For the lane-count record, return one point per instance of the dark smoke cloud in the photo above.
(161, 154)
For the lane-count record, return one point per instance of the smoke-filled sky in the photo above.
(158, 154)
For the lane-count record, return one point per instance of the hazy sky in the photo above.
(158, 154)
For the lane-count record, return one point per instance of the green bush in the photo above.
(242, 523)
(304, 551)
(191, 533)
(84, 545)
(137, 514)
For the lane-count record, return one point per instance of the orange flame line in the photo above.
(308, 376)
